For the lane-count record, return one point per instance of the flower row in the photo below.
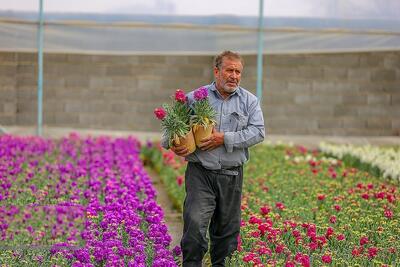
(79, 202)
(386, 160)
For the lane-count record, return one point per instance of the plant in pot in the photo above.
(175, 121)
(203, 119)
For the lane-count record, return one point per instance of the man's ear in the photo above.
(216, 71)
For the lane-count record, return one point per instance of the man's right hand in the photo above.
(180, 150)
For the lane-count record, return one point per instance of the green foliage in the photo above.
(177, 121)
(204, 113)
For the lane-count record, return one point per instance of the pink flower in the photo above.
(279, 205)
(356, 252)
(388, 214)
(200, 93)
(280, 248)
(160, 113)
(326, 258)
(365, 196)
(265, 210)
(329, 232)
(179, 180)
(337, 207)
(340, 237)
(321, 197)
(372, 252)
(180, 96)
(363, 240)
(332, 219)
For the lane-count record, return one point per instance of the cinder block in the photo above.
(391, 61)
(149, 84)
(119, 70)
(8, 57)
(8, 82)
(202, 60)
(354, 99)
(124, 82)
(92, 94)
(10, 107)
(54, 105)
(346, 110)
(27, 80)
(363, 74)
(379, 123)
(379, 99)
(26, 93)
(371, 60)
(8, 93)
(354, 122)
(54, 58)
(177, 60)
(26, 106)
(383, 75)
(311, 72)
(149, 59)
(77, 81)
(7, 119)
(282, 98)
(274, 72)
(7, 70)
(342, 60)
(66, 118)
(27, 57)
(27, 69)
(26, 118)
(375, 110)
(287, 60)
(69, 93)
(272, 86)
(100, 82)
(335, 73)
(328, 123)
(395, 99)
(303, 87)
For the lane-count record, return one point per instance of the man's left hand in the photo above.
(215, 140)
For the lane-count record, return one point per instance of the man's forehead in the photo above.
(232, 62)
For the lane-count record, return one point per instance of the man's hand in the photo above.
(215, 140)
(180, 150)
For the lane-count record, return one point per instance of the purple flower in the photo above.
(177, 251)
(200, 93)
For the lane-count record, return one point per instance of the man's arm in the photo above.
(252, 134)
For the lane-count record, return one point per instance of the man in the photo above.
(214, 174)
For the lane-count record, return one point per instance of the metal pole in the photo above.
(40, 71)
(260, 51)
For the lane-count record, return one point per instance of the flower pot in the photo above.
(187, 141)
(200, 132)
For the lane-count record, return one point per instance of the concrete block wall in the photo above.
(328, 94)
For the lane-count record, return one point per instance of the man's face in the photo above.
(228, 75)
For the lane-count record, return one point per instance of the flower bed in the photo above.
(300, 208)
(377, 160)
(79, 202)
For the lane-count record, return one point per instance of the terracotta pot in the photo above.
(201, 132)
(187, 141)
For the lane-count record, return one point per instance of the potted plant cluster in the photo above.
(175, 121)
(187, 126)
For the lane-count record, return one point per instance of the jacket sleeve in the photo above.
(250, 135)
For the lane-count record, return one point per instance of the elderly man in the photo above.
(214, 173)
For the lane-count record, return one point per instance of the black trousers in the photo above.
(212, 203)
